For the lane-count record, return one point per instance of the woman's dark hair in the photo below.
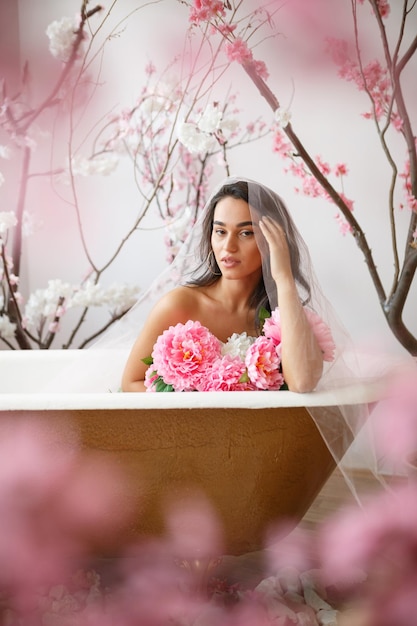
(267, 203)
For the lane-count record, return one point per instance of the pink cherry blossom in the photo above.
(382, 6)
(280, 144)
(343, 224)
(377, 543)
(394, 420)
(239, 51)
(263, 364)
(225, 29)
(183, 353)
(323, 166)
(341, 169)
(347, 201)
(261, 69)
(205, 10)
(56, 503)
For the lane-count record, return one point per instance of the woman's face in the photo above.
(233, 240)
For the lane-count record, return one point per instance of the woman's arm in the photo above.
(170, 310)
(302, 360)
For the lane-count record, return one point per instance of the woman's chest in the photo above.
(223, 324)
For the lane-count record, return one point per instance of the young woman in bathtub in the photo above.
(250, 257)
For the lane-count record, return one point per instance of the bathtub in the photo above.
(257, 456)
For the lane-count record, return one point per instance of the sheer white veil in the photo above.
(339, 423)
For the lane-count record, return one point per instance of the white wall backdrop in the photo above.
(326, 114)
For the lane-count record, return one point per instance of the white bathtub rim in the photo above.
(353, 395)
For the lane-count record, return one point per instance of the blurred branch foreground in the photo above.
(63, 508)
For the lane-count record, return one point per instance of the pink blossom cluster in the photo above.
(236, 48)
(370, 555)
(410, 199)
(56, 504)
(205, 10)
(372, 78)
(188, 357)
(382, 6)
(310, 186)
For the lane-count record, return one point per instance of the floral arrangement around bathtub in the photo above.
(188, 357)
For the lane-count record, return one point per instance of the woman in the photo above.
(250, 257)
(243, 254)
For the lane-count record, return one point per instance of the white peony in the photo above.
(237, 345)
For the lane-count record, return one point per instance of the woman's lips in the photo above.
(230, 261)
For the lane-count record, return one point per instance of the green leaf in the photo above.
(161, 385)
(148, 360)
(244, 378)
(263, 315)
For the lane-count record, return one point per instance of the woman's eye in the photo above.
(246, 233)
(219, 231)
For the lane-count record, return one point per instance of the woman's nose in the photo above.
(230, 242)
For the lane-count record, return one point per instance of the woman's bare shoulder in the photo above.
(181, 297)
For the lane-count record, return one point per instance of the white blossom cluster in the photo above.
(4, 154)
(118, 297)
(202, 137)
(7, 328)
(282, 117)
(103, 164)
(62, 35)
(60, 296)
(7, 220)
(176, 228)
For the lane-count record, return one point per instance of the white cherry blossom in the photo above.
(62, 35)
(7, 328)
(7, 219)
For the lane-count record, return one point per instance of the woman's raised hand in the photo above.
(278, 248)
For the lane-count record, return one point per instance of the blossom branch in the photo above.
(388, 103)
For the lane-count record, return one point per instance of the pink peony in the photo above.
(272, 327)
(183, 354)
(263, 362)
(225, 375)
(151, 376)
(322, 333)
(272, 330)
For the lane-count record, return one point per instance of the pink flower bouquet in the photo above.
(188, 357)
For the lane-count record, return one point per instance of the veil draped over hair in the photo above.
(338, 422)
